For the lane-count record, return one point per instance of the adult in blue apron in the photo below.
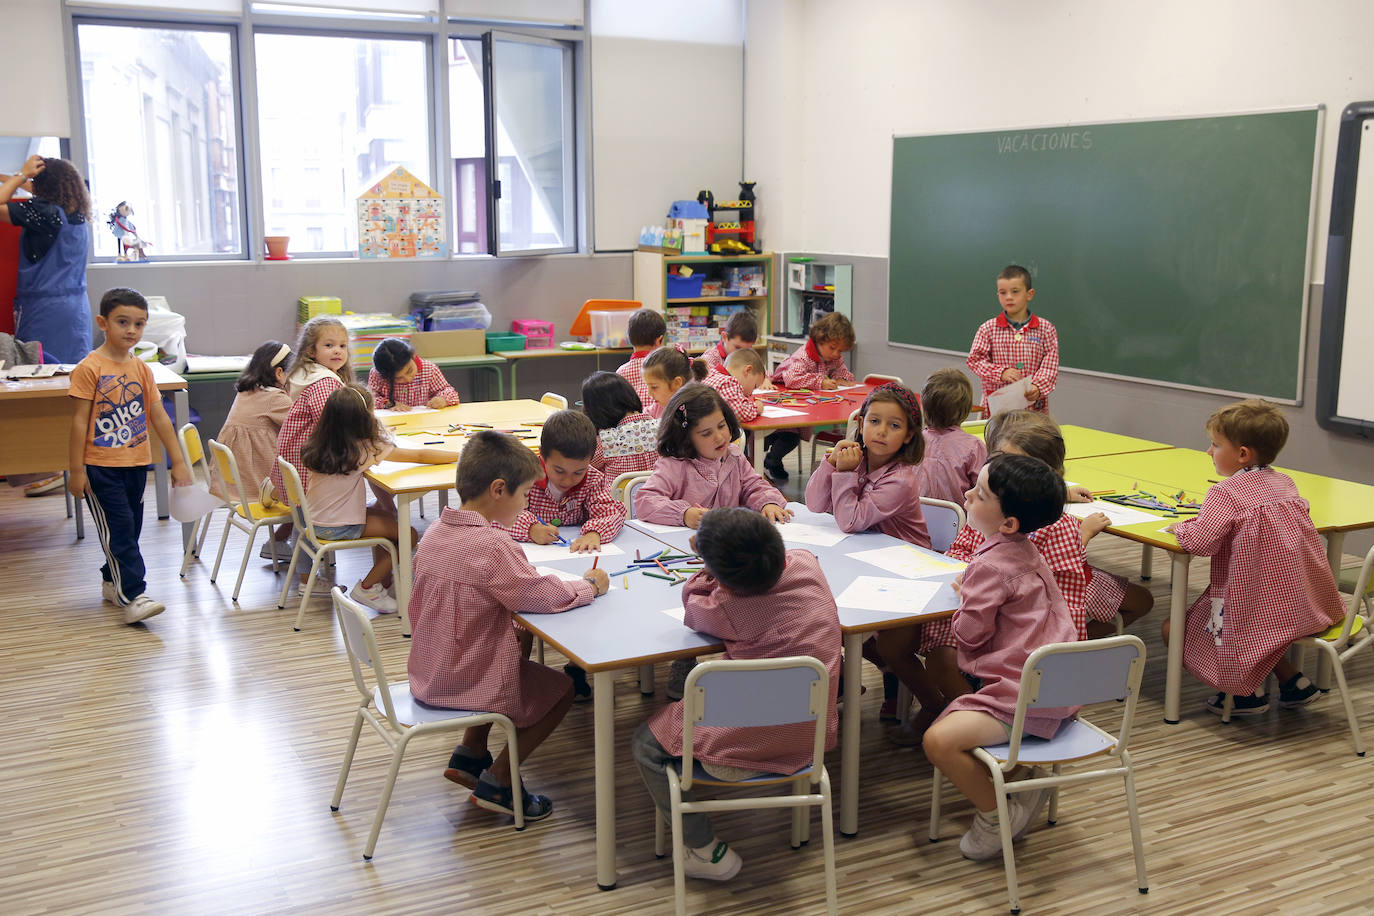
(50, 301)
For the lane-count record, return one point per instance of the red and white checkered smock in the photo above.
(729, 388)
(1009, 606)
(806, 369)
(998, 346)
(1106, 591)
(633, 372)
(296, 428)
(795, 617)
(469, 579)
(887, 499)
(679, 484)
(1268, 569)
(428, 382)
(714, 357)
(630, 447)
(589, 504)
(951, 464)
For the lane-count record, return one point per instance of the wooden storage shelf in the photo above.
(651, 281)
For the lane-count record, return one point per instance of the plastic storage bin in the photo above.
(451, 310)
(498, 341)
(610, 329)
(684, 287)
(537, 333)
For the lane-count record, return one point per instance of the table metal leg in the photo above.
(514, 364)
(1178, 611)
(1147, 556)
(756, 445)
(603, 701)
(849, 740)
(404, 559)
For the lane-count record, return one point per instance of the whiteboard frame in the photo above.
(1320, 109)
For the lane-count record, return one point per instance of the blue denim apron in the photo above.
(50, 302)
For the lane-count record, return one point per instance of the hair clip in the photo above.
(680, 348)
(282, 354)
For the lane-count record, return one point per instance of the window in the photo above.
(359, 106)
(160, 134)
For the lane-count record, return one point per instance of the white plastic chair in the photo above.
(1065, 674)
(556, 401)
(943, 520)
(636, 480)
(397, 716)
(743, 693)
(1346, 639)
(193, 453)
(618, 485)
(877, 378)
(311, 544)
(247, 515)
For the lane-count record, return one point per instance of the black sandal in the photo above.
(502, 800)
(464, 768)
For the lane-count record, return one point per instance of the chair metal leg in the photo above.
(243, 564)
(348, 760)
(513, 751)
(936, 781)
(1330, 653)
(679, 879)
(1008, 854)
(385, 800)
(1147, 557)
(309, 587)
(189, 552)
(204, 533)
(660, 832)
(1228, 703)
(646, 680)
(1054, 798)
(290, 573)
(1137, 844)
(904, 699)
(832, 900)
(224, 538)
(800, 815)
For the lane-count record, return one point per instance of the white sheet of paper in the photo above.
(190, 503)
(1119, 515)
(880, 593)
(545, 553)
(674, 612)
(216, 363)
(815, 535)
(909, 562)
(392, 412)
(390, 467)
(777, 413)
(661, 529)
(1009, 397)
(564, 575)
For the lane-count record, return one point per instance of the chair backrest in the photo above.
(194, 453)
(361, 642)
(750, 692)
(635, 480)
(621, 481)
(295, 494)
(1357, 597)
(877, 378)
(1079, 673)
(943, 520)
(851, 429)
(228, 470)
(556, 401)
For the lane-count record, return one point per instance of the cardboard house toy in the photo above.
(400, 216)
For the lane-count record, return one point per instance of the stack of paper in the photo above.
(902, 560)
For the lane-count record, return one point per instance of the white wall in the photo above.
(34, 103)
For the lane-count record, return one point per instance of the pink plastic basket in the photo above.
(537, 333)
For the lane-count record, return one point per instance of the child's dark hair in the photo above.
(304, 350)
(1028, 489)
(905, 399)
(608, 398)
(1255, 424)
(1034, 433)
(261, 371)
(490, 456)
(689, 404)
(742, 549)
(1016, 272)
(947, 398)
(62, 184)
(833, 327)
(345, 434)
(391, 356)
(743, 325)
(646, 327)
(569, 433)
(671, 363)
(121, 295)
(745, 356)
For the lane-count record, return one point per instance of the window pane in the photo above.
(335, 114)
(468, 146)
(160, 134)
(534, 144)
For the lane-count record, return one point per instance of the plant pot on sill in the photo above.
(276, 247)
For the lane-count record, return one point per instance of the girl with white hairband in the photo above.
(250, 430)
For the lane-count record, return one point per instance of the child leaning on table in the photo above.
(1009, 606)
(818, 366)
(646, 330)
(741, 331)
(764, 602)
(470, 578)
(109, 452)
(626, 437)
(1016, 344)
(1270, 580)
(737, 379)
(665, 371)
(401, 380)
(952, 457)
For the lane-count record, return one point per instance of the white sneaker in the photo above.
(712, 862)
(1023, 807)
(374, 597)
(141, 608)
(677, 677)
(107, 592)
(283, 549)
(983, 840)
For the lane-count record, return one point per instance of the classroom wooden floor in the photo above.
(186, 766)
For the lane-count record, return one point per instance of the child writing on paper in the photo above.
(345, 443)
(818, 366)
(741, 331)
(1270, 584)
(1009, 606)
(764, 602)
(116, 401)
(665, 371)
(626, 437)
(401, 380)
(470, 578)
(646, 331)
(1016, 344)
(952, 457)
(737, 379)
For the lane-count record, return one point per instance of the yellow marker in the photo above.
(626, 582)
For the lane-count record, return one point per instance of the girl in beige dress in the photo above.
(250, 430)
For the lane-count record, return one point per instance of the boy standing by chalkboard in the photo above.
(1016, 344)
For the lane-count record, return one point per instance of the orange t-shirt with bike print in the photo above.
(117, 435)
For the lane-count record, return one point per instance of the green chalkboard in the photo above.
(1173, 251)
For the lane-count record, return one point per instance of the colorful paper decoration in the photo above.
(401, 217)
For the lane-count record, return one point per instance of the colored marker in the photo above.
(1103, 493)
(657, 576)
(561, 540)
(435, 442)
(595, 560)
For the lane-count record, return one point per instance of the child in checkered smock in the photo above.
(763, 601)
(665, 371)
(470, 578)
(952, 457)
(401, 380)
(646, 331)
(736, 379)
(741, 331)
(1270, 584)
(626, 437)
(319, 367)
(1016, 344)
(819, 365)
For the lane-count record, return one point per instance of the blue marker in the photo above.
(562, 540)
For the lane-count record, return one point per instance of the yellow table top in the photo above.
(1083, 442)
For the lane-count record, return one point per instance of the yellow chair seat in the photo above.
(257, 510)
(1335, 631)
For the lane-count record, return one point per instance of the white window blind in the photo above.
(230, 7)
(35, 103)
(560, 12)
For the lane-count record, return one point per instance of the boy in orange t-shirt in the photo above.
(116, 398)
